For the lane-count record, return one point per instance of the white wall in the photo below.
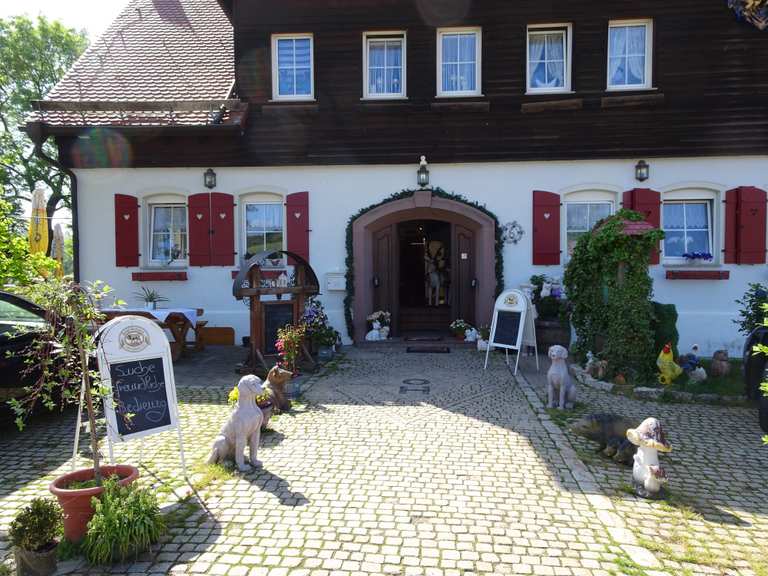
(706, 308)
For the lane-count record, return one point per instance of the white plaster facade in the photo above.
(706, 307)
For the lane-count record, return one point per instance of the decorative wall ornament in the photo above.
(512, 232)
(753, 11)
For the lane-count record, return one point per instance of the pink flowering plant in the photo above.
(289, 341)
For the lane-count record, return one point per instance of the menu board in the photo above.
(140, 396)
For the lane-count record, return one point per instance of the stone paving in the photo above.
(466, 474)
(716, 518)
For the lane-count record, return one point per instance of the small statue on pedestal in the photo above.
(648, 476)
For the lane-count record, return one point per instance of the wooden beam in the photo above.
(632, 101)
(552, 105)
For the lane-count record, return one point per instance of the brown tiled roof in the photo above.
(156, 51)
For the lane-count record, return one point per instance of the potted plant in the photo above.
(289, 341)
(126, 522)
(459, 328)
(326, 339)
(263, 401)
(697, 257)
(150, 297)
(552, 325)
(34, 535)
(60, 359)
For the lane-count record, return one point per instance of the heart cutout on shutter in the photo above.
(126, 216)
(199, 216)
(297, 215)
(547, 215)
(223, 215)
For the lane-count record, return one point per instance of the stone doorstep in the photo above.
(602, 505)
(653, 394)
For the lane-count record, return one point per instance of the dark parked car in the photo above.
(756, 371)
(20, 322)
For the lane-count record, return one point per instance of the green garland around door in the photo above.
(439, 193)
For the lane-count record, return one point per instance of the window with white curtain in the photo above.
(549, 58)
(687, 227)
(581, 217)
(384, 59)
(458, 61)
(630, 54)
(292, 61)
(168, 237)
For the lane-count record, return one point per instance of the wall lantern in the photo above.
(423, 173)
(642, 171)
(209, 178)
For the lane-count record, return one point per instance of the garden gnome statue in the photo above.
(648, 476)
(375, 334)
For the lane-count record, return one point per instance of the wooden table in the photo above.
(176, 321)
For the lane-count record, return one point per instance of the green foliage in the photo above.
(35, 55)
(38, 525)
(751, 313)
(439, 193)
(289, 340)
(68, 550)
(126, 522)
(664, 324)
(609, 290)
(17, 265)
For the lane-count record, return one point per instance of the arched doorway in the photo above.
(468, 236)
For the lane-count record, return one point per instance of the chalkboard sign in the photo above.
(135, 364)
(140, 396)
(512, 316)
(276, 316)
(507, 328)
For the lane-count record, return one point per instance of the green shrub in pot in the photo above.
(34, 534)
(126, 522)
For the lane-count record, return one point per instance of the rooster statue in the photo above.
(668, 369)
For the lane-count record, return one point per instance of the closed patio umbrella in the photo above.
(57, 249)
(38, 223)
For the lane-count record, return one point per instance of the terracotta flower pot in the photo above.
(77, 503)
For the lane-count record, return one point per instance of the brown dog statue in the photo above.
(275, 385)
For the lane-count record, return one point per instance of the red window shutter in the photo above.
(648, 203)
(199, 216)
(223, 229)
(730, 248)
(297, 228)
(126, 230)
(546, 228)
(750, 225)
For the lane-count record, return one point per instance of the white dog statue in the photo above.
(375, 334)
(559, 381)
(243, 427)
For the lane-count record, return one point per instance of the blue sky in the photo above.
(92, 15)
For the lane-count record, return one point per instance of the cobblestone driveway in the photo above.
(370, 476)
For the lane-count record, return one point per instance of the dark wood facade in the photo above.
(710, 97)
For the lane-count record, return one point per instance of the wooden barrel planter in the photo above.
(552, 331)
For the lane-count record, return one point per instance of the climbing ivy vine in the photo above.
(610, 290)
(439, 193)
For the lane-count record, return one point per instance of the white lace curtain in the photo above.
(546, 54)
(626, 64)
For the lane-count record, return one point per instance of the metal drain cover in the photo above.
(415, 385)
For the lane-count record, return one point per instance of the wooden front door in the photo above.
(383, 281)
(464, 282)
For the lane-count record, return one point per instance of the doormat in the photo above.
(427, 350)
(424, 339)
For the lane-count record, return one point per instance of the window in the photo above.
(687, 227)
(629, 54)
(581, 217)
(168, 234)
(549, 59)
(292, 62)
(263, 227)
(458, 62)
(384, 65)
